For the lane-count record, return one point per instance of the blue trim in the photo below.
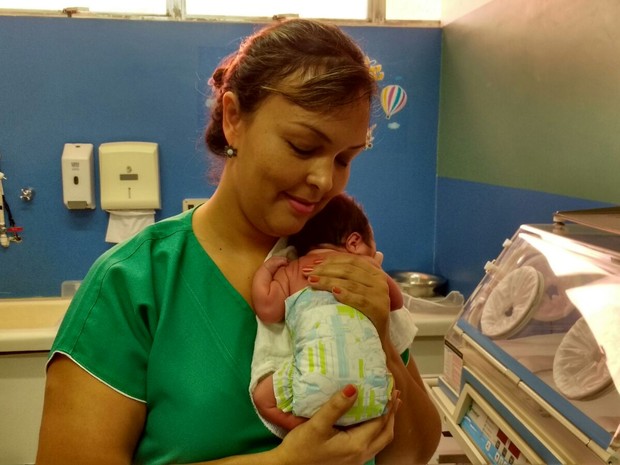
(582, 422)
(447, 390)
(531, 440)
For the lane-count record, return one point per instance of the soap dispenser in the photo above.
(78, 173)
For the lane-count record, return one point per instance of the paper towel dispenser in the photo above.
(78, 173)
(129, 175)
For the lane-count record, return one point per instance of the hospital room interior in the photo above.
(492, 185)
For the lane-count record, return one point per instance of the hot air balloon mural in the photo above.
(393, 99)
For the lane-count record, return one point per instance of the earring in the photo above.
(230, 151)
(370, 137)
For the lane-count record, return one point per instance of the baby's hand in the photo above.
(273, 264)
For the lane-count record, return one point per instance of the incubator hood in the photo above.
(532, 363)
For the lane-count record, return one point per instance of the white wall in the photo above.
(454, 9)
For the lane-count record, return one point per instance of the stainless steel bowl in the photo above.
(418, 284)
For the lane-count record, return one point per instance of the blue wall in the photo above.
(474, 219)
(518, 128)
(94, 81)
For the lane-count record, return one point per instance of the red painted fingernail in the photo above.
(336, 290)
(318, 261)
(307, 269)
(349, 390)
(313, 279)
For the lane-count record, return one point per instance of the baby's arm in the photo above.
(270, 289)
(396, 296)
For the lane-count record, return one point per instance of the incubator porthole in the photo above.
(580, 366)
(512, 303)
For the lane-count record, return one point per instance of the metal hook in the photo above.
(27, 194)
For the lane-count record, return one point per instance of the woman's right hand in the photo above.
(318, 442)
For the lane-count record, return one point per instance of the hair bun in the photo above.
(217, 78)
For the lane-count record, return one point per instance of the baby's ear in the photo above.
(353, 242)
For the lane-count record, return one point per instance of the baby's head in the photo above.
(341, 224)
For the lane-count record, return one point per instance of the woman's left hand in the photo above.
(357, 281)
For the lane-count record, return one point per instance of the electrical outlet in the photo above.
(188, 204)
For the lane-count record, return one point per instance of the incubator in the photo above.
(532, 363)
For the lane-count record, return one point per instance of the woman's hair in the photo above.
(332, 225)
(313, 64)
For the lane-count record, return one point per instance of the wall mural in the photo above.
(393, 96)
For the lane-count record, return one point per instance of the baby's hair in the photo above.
(342, 216)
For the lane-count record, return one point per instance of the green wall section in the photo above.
(530, 97)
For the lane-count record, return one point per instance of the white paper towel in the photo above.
(125, 223)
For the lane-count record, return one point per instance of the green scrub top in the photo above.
(156, 320)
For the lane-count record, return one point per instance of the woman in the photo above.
(152, 362)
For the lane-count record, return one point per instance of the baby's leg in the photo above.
(265, 401)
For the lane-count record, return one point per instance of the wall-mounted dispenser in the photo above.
(78, 176)
(129, 175)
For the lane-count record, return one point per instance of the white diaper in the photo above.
(334, 345)
(273, 351)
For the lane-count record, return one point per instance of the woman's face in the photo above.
(290, 162)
